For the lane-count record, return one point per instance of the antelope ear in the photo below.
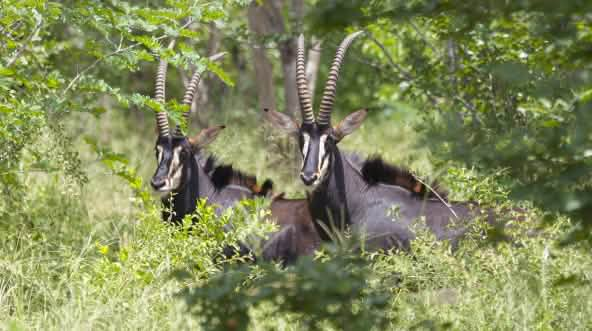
(282, 121)
(205, 136)
(349, 124)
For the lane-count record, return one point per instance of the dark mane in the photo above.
(375, 170)
(223, 175)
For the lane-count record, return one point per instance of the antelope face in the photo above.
(317, 147)
(317, 138)
(172, 154)
(175, 152)
(318, 143)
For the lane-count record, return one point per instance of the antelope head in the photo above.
(316, 137)
(175, 152)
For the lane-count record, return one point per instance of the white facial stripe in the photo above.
(322, 142)
(323, 164)
(175, 170)
(159, 154)
(305, 146)
(306, 138)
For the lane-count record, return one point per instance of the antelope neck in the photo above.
(336, 199)
(196, 184)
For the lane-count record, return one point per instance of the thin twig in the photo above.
(92, 65)
(7, 32)
(465, 103)
(21, 49)
(444, 202)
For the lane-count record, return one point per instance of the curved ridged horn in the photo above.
(162, 122)
(302, 84)
(324, 118)
(191, 89)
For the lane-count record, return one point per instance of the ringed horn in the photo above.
(324, 118)
(302, 84)
(162, 123)
(191, 89)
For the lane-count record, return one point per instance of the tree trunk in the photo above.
(266, 20)
(261, 26)
(287, 50)
(288, 56)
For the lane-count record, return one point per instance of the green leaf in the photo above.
(216, 69)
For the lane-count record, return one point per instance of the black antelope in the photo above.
(180, 177)
(184, 175)
(361, 195)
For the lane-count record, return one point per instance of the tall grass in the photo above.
(91, 257)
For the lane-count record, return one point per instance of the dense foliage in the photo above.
(66, 57)
(505, 85)
(303, 291)
(493, 98)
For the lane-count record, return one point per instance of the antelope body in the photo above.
(298, 235)
(381, 213)
(360, 195)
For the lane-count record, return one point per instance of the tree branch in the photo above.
(22, 47)
(115, 52)
(425, 39)
(408, 76)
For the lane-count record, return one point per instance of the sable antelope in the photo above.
(360, 194)
(179, 177)
(184, 175)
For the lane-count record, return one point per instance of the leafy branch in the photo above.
(119, 50)
(26, 42)
(407, 75)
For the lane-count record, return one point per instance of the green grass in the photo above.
(90, 258)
